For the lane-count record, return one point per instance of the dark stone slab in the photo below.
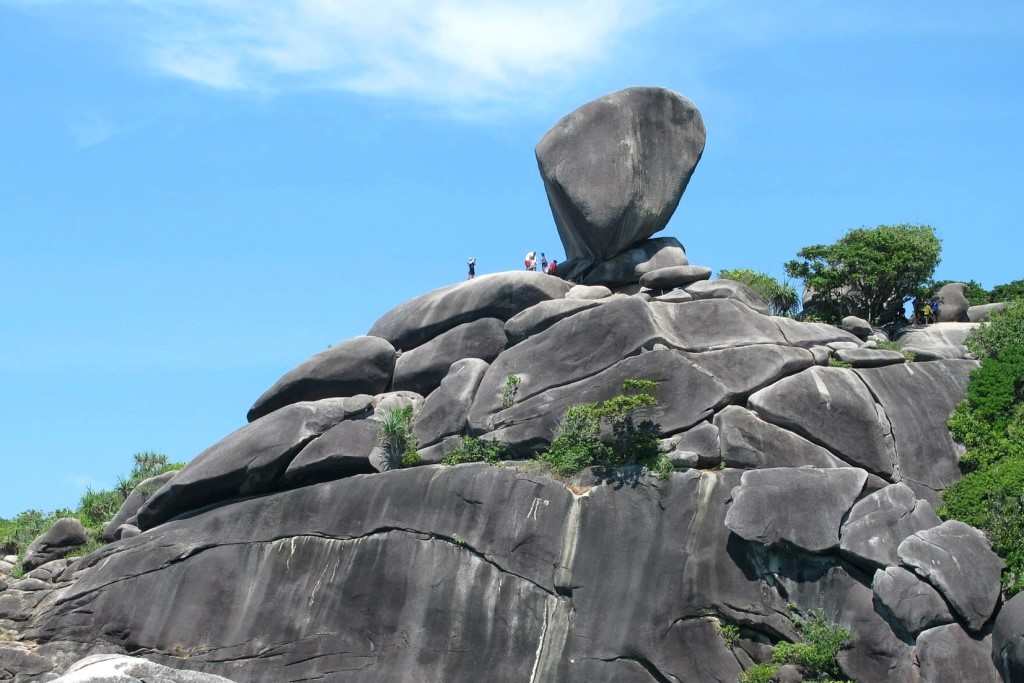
(748, 442)
(878, 524)
(422, 369)
(907, 602)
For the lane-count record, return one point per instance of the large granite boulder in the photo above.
(807, 335)
(133, 503)
(499, 295)
(856, 326)
(728, 289)
(446, 409)
(615, 169)
(917, 399)
(938, 341)
(709, 324)
(958, 561)
(422, 369)
(832, 407)
(629, 266)
(953, 303)
(674, 276)
(878, 523)
(947, 654)
(125, 669)
(363, 365)
(748, 442)
(907, 602)
(870, 358)
(540, 317)
(342, 451)
(59, 540)
(248, 461)
(1008, 640)
(770, 506)
(983, 312)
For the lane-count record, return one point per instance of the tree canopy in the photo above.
(1010, 291)
(869, 272)
(781, 297)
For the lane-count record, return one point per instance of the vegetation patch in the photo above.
(509, 390)
(989, 422)
(608, 434)
(815, 653)
(781, 296)
(473, 449)
(395, 435)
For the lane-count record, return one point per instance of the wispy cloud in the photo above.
(91, 129)
(458, 54)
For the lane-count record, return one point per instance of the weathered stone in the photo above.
(686, 394)
(745, 369)
(341, 451)
(701, 442)
(629, 266)
(363, 365)
(58, 541)
(907, 602)
(499, 295)
(832, 407)
(422, 369)
(807, 335)
(844, 345)
(30, 584)
(714, 324)
(983, 313)
(750, 443)
(1008, 640)
(878, 523)
(49, 571)
(126, 531)
(588, 292)
(938, 341)
(946, 654)
(770, 505)
(918, 399)
(870, 358)
(540, 317)
(248, 461)
(615, 169)
(396, 400)
(134, 502)
(674, 276)
(566, 352)
(125, 669)
(18, 663)
(953, 303)
(446, 409)
(958, 561)
(858, 327)
(821, 354)
(675, 296)
(728, 289)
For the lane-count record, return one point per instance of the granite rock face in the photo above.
(953, 303)
(133, 503)
(878, 523)
(615, 169)
(422, 369)
(64, 536)
(908, 603)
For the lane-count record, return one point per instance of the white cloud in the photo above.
(463, 55)
(91, 129)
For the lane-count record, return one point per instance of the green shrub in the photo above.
(1010, 291)
(509, 390)
(730, 633)
(473, 449)
(781, 297)
(96, 508)
(760, 673)
(836, 363)
(818, 647)
(579, 443)
(1004, 330)
(395, 434)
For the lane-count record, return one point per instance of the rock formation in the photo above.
(291, 551)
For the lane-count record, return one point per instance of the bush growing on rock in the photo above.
(869, 272)
(396, 435)
(815, 652)
(781, 297)
(473, 449)
(582, 441)
(1010, 291)
(1004, 331)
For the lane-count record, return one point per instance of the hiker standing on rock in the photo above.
(552, 268)
(543, 263)
(530, 261)
(471, 263)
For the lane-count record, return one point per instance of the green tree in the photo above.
(869, 272)
(781, 297)
(1010, 291)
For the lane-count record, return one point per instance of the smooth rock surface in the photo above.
(363, 365)
(870, 358)
(983, 313)
(907, 602)
(1008, 640)
(422, 369)
(878, 523)
(125, 669)
(770, 505)
(615, 169)
(831, 407)
(806, 335)
(446, 410)
(674, 276)
(953, 303)
(588, 292)
(958, 561)
(341, 451)
(59, 540)
(499, 295)
(858, 327)
(248, 461)
(946, 654)
(938, 341)
(714, 324)
(540, 317)
(748, 442)
(745, 369)
(629, 266)
(134, 502)
(728, 289)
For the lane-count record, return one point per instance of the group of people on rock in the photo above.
(926, 312)
(531, 262)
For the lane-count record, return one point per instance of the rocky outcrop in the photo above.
(124, 669)
(615, 169)
(422, 369)
(878, 523)
(908, 603)
(630, 265)
(953, 303)
(363, 365)
(59, 540)
(1008, 640)
(674, 276)
(728, 289)
(133, 503)
(983, 312)
(938, 341)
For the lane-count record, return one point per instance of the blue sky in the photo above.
(198, 194)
